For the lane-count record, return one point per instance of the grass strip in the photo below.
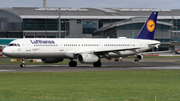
(91, 85)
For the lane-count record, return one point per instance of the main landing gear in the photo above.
(136, 60)
(97, 64)
(22, 65)
(72, 63)
(116, 60)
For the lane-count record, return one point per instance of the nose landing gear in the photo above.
(22, 65)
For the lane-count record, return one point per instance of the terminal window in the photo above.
(89, 27)
(43, 24)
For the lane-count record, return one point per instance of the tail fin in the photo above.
(147, 31)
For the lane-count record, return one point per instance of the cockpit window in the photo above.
(11, 45)
(14, 44)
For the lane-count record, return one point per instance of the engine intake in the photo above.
(51, 60)
(139, 57)
(87, 58)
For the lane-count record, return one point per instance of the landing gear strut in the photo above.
(72, 63)
(22, 65)
(97, 64)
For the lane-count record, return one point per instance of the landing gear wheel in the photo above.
(116, 60)
(22, 65)
(97, 64)
(72, 64)
(136, 60)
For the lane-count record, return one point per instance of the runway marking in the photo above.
(7, 70)
(162, 68)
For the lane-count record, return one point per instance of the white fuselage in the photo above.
(66, 48)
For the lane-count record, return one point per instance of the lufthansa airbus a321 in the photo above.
(85, 50)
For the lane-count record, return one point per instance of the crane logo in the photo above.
(150, 25)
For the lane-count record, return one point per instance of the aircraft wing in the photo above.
(114, 50)
(107, 50)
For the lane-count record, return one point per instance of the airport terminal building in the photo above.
(35, 22)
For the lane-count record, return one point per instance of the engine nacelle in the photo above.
(87, 58)
(139, 57)
(51, 60)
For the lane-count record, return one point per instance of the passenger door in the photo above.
(28, 46)
(61, 46)
(100, 46)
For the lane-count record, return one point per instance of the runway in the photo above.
(107, 66)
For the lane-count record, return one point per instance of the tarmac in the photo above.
(126, 64)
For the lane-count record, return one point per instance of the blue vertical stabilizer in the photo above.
(147, 31)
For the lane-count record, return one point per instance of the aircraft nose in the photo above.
(6, 51)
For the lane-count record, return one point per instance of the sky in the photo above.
(158, 4)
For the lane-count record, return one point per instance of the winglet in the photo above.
(147, 31)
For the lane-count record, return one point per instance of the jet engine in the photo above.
(51, 60)
(87, 58)
(139, 57)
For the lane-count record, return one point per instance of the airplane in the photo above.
(85, 50)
